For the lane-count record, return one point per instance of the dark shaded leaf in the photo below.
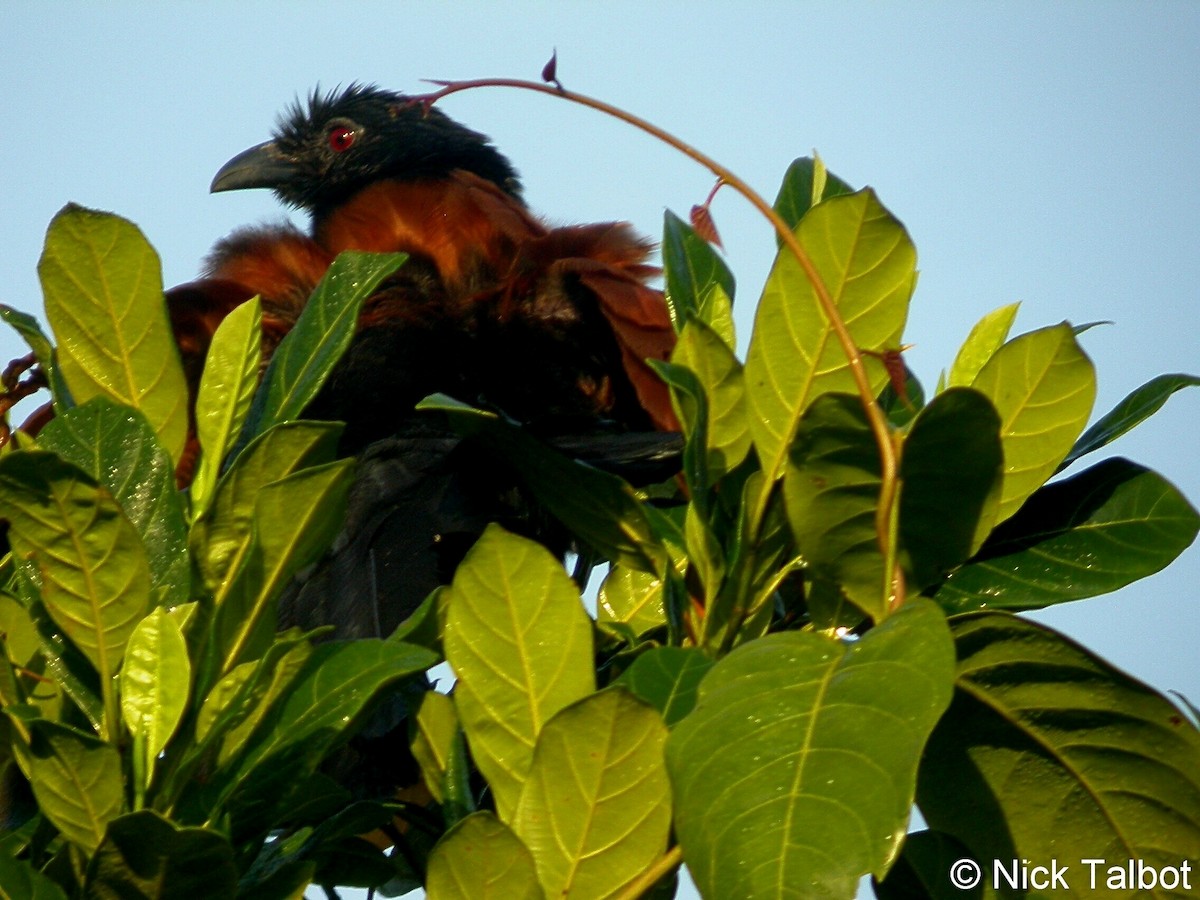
(1086, 535)
(923, 871)
(806, 183)
(43, 351)
(668, 679)
(691, 268)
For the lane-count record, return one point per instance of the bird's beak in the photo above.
(263, 166)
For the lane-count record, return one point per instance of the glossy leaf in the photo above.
(145, 856)
(631, 597)
(951, 472)
(116, 446)
(480, 858)
(226, 389)
(1048, 751)
(155, 681)
(306, 356)
(76, 780)
(831, 491)
(806, 183)
(691, 268)
(868, 266)
(104, 300)
(95, 582)
(986, 337)
(596, 808)
(1043, 386)
(520, 643)
(601, 509)
(794, 775)
(1089, 534)
(668, 678)
(1130, 412)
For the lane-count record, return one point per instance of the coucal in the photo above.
(550, 325)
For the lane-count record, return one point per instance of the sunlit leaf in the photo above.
(76, 780)
(104, 300)
(632, 597)
(518, 639)
(1043, 386)
(1086, 535)
(434, 729)
(481, 859)
(596, 808)
(794, 775)
(986, 337)
(155, 682)
(1049, 752)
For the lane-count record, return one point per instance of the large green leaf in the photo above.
(805, 184)
(145, 856)
(988, 336)
(668, 678)
(518, 639)
(951, 472)
(226, 390)
(481, 859)
(155, 683)
(1043, 386)
(76, 781)
(868, 265)
(1048, 752)
(601, 509)
(116, 446)
(1134, 409)
(794, 775)
(104, 300)
(1095, 532)
(692, 268)
(95, 582)
(831, 491)
(595, 811)
(306, 356)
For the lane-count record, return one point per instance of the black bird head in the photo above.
(326, 151)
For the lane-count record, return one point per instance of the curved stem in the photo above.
(854, 357)
(653, 875)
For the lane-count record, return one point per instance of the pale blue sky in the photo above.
(1036, 151)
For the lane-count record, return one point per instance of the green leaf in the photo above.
(1133, 410)
(1048, 751)
(145, 856)
(726, 438)
(1095, 532)
(76, 780)
(601, 509)
(19, 880)
(631, 597)
(308, 353)
(116, 446)
(518, 639)
(481, 859)
(951, 472)
(95, 582)
(831, 492)
(220, 538)
(923, 871)
(226, 389)
(868, 265)
(805, 184)
(596, 809)
(668, 678)
(155, 682)
(794, 775)
(338, 683)
(691, 269)
(434, 729)
(104, 300)
(988, 336)
(43, 351)
(716, 311)
(295, 520)
(1043, 386)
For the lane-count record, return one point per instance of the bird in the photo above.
(552, 326)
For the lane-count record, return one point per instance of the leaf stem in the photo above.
(854, 357)
(651, 876)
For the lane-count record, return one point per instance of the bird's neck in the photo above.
(458, 223)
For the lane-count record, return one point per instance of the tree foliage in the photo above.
(782, 661)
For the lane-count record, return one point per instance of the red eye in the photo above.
(341, 139)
